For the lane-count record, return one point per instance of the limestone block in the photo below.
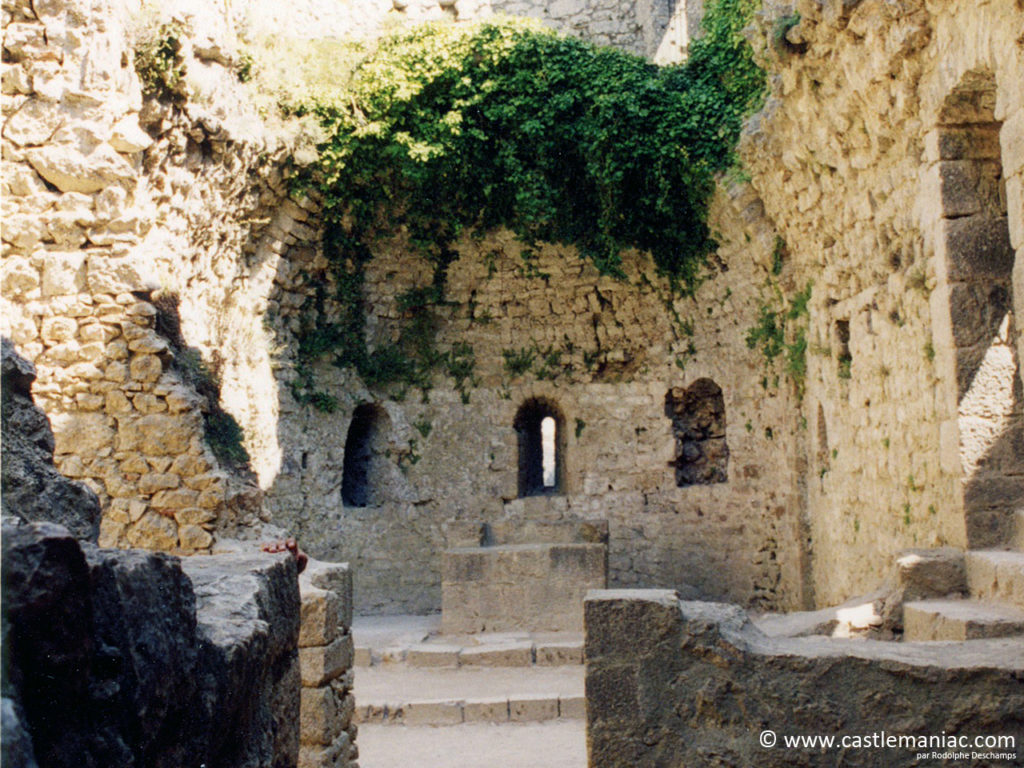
(485, 710)
(69, 170)
(33, 124)
(81, 433)
(153, 482)
(533, 708)
(128, 137)
(153, 531)
(572, 707)
(177, 499)
(320, 716)
(925, 573)
(194, 537)
(517, 654)
(336, 577)
(441, 712)
(63, 272)
(1015, 209)
(114, 274)
(156, 434)
(323, 663)
(149, 343)
(319, 615)
(18, 278)
(433, 655)
(24, 231)
(334, 756)
(194, 516)
(56, 329)
(146, 367)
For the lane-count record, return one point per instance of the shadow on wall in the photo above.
(977, 287)
(33, 489)
(223, 433)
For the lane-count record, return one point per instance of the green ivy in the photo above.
(448, 128)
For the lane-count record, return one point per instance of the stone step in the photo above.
(522, 709)
(996, 575)
(416, 641)
(445, 696)
(959, 620)
(1018, 540)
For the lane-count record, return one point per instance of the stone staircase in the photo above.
(993, 605)
(407, 673)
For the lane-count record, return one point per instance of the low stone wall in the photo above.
(326, 656)
(535, 587)
(132, 658)
(671, 683)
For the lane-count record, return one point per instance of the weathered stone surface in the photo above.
(33, 489)
(680, 683)
(518, 586)
(114, 664)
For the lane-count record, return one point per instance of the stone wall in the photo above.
(133, 658)
(854, 157)
(326, 661)
(605, 353)
(671, 683)
(657, 29)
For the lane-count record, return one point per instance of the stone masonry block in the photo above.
(319, 615)
(433, 713)
(336, 577)
(433, 655)
(533, 708)
(485, 710)
(518, 654)
(322, 663)
(977, 248)
(319, 756)
(320, 716)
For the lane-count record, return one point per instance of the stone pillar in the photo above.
(327, 732)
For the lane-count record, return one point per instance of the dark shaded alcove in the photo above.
(535, 452)
(361, 475)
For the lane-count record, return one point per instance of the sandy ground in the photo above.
(559, 744)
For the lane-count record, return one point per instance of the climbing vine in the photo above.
(449, 128)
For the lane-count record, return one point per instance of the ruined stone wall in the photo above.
(605, 354)
(136, 233)
(690, 683)
(856, 158)
(657, 29)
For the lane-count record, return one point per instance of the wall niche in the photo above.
(698, 426)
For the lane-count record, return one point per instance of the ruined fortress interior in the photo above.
(789, 497)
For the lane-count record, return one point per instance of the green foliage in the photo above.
(784, 333)
(159, 64)
(243, 67)
(447, 128)
(519, 361)
(224, 436)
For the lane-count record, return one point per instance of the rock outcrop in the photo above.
(129, 658)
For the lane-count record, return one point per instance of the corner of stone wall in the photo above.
(326, 654)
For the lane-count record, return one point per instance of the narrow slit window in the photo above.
(547, 446)
(538, 426)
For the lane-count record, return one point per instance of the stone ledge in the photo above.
(667, 680)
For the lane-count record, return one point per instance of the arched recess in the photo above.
(365, 464)
(540, 428)
(975, 336)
